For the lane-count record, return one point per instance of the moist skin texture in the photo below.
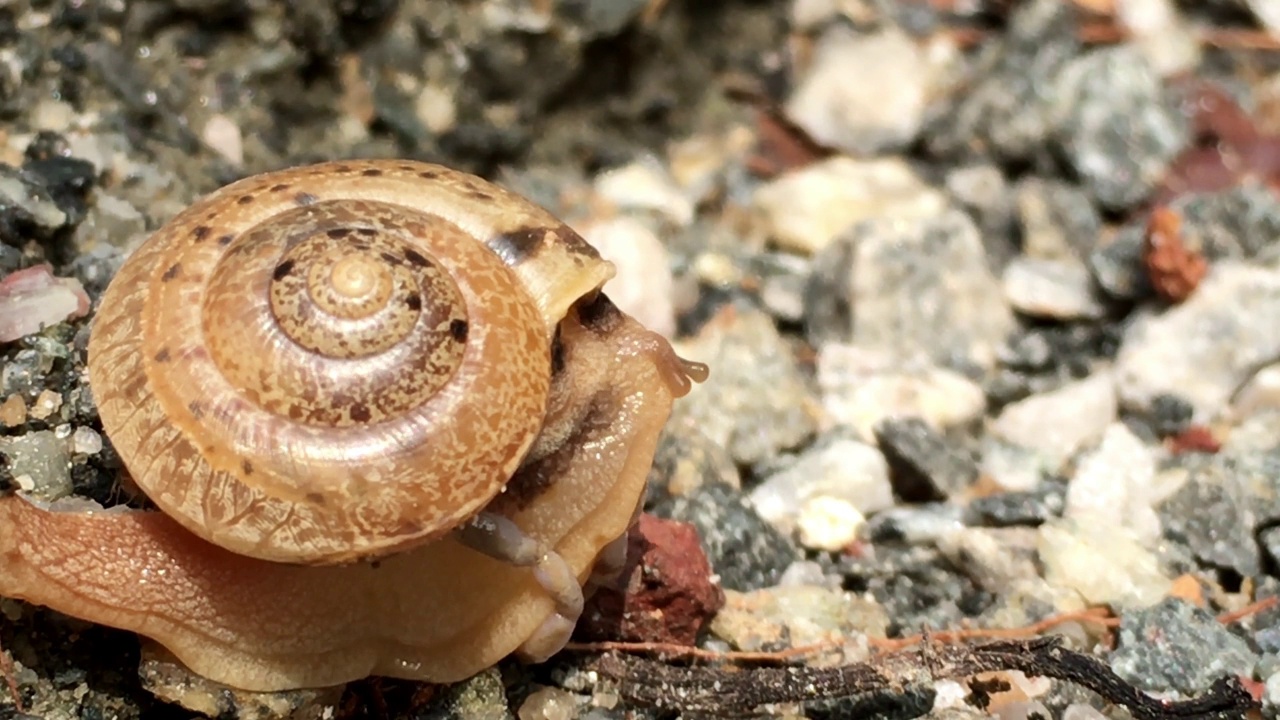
(256, 580)
(437, 613)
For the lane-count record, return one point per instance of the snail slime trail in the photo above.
(271, 366)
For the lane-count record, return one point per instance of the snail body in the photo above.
(388, 419)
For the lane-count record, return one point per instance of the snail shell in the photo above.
(353, 360)
(336, 361)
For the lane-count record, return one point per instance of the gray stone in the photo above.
(1175, 646)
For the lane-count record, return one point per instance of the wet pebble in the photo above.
(686, 460)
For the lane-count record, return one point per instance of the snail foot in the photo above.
(501, 539)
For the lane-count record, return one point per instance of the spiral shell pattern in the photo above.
(337, 361)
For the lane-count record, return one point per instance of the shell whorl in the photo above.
(335, 361)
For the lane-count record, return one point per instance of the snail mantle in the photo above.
(390, 422)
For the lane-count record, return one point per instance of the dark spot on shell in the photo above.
(305, 198)
(557, 353)
(282, 270)
(416, 258)
(518, 246)
(414, 302)
(162, 355)
(280, 188)
(479, 194)
(598, 313)
(429, 174)
(367, 232)
(173, 272)
(247, 467)
(196, 409)
(371, 172)
(245, 199)
(343, 168)
(360, 412)
(200, 232)
(388, 257)
(458, 329)
(338, 233)
(226, 239)
(316, 498)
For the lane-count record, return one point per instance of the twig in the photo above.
(739, 692)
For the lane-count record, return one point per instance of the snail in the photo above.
(389, 422)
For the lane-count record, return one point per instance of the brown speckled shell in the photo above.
(336, 361)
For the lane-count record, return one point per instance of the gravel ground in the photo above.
(990, 292)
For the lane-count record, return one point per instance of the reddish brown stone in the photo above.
(665, 593)
(1196, 438)
(1175, 269)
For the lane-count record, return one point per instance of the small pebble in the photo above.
(838, 468)
(745, 550)
(1058, 423)
(86, 441)
(643, 285)
(1103, 564)
(796, 616)
(804, 210)
(924, 466)
(43, 462)
(549, 703)
(757, 403)
(861, 389)
(646, 185)
(827, 523)
(1206, 347)
(13, 411)
(877, 109)
(33, 299)
(1056, 289)
(1176, 646)
(1115, 485)
(46, 404)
